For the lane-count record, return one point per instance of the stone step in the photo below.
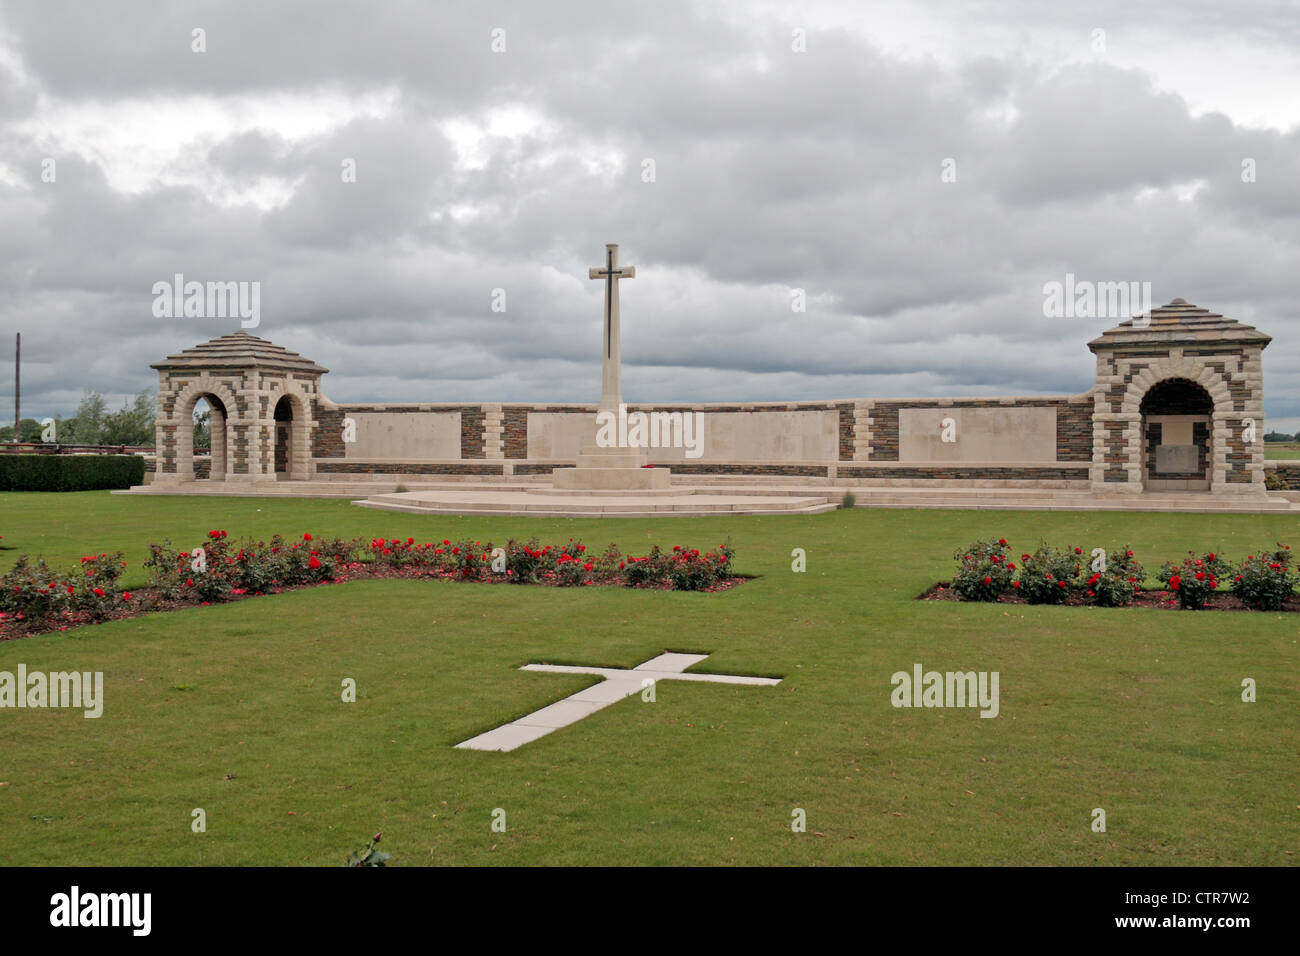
(528, 504)
(628, 504)
(560, 512)
(791, 497)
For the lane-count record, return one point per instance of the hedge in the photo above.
(69, 472)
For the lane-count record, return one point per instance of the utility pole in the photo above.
(18, 409)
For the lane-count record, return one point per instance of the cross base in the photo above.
(603, 475)
(611, 469)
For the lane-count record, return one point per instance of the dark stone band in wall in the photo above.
(515, 431)
(472, 419)
(786, 471)
(848, 431)
(400, 468)
(967, 474)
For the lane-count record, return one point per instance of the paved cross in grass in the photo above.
(618, 683)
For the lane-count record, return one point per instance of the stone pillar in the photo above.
(862, 430)
(493, 432)
(183, 434)
(217, 438)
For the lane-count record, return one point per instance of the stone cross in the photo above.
(618, 684)
(611, 369)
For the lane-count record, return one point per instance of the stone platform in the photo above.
(567, 503)
(687, 495)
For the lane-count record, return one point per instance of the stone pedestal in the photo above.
(610, 469)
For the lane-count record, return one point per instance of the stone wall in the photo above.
(1073, 426)
(1015, 439)
(1288, 471)
(399, 432)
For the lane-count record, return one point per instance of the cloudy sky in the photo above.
(1104, 139)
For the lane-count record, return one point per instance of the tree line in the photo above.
(94, 424)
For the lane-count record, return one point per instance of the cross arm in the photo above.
(622, 272)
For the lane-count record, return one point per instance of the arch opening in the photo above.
(202, 426)
(284, 434)
(1177, 436)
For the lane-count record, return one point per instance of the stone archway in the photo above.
(1177, 436)
(1201, 386)
(291, 443)
(1179, 341)
(181, 423)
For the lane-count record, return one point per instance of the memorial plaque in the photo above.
(1177, 460)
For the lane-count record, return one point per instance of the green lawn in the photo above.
(1282, 451)
(236, 709)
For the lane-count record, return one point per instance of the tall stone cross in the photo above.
(611, 367)
(617, 685)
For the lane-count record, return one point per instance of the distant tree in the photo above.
(30, 431)
(94, 424)
(203, 428)
(132, 425)
(86, 426)
(1280, 436)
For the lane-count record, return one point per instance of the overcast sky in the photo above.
(1115, 156)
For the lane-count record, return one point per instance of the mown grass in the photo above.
(236, 709)
(1282, 451)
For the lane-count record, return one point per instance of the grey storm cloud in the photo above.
(774, 171)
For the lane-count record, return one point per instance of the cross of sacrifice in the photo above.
(611, 274)
(618, 684)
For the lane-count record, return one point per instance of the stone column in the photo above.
(217, 439)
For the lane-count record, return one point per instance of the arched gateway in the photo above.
(1178, 404)
(261, 396)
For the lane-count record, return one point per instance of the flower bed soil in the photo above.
(1157, 599)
